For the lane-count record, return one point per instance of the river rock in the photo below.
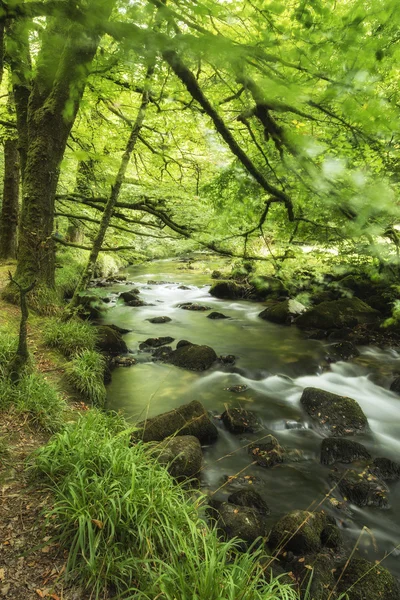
(342, 351)
(110, 341)
(120, 330)
(364, 580)
(194, 306)
(237, 389)
(251, 499)
(155, 342)
(268, 452)
(339, 414)
(182, 454)
(183, 343)
(336, 314)
(305, 532)
(116, 278)
(124, 361)
(239, 420)
(159, 320)
(282, 312)
(216, 315)
(264, 286)
(193, 357)
(184, 287)
(388, 470)
(188, 419)
(228, 359)
(161, 353)
(90, 308)
(216, 275)
(153, 282)
(129, 296)
(362, 488)
(395, 385)
(315, 575)
(242, 522)
(229, 290)
(342, 450)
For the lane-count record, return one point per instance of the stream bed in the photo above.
(276, 363)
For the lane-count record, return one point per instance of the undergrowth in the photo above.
(131, 529)
(69, 337)
(86, 373)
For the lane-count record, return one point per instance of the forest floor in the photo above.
(31, 564)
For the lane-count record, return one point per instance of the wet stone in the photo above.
(250, 498)
(362, 488)
(161, 353)
(267, 453)
(194, 306)
(124, 361)
(237, 389)
(159, 320)
(342, 450)
(155, 342)
(388, 470)
(239, 420)
(228, 359)
(342, 351)
(216, 315)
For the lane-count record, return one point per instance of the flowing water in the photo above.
(275, 363)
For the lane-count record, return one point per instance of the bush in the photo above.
(71, 262)
(70, 337)
(86, 373)
(129, 527)
(36, 398)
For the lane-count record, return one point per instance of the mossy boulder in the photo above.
(251, 499)
(342, 450)
(216, 315)
(339, 414)
(364, 580)
(229, 290)
(242, 522)
(182, 455)
(388, 470)
(304, 532)
(193, 357)
(130, 295)
(267, 453)
(342, 351)
(239, 420)
(264, 286)
(110, 341)
(362, 487)
(315, 575)
(90, 308)
(155, 342)
(281, 312)
(188, 419)
(336, 314)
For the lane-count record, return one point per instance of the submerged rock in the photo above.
(339, 414)
(194, 306)
(217, 315)
(193, 357)
(337, 314)
(110, 341)
(155, 342)
(159, 320)
(182, 454)
(302, 532)
(239, 420)
(364, 580)
(362, 488)
(267, 453)
(342, 450)
(188, 419)
(251, 499)
(388, 470)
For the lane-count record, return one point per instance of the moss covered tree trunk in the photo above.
(9, 208)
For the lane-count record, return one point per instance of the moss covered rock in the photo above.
(242, 522)
(342, 351)
(388, 470)
(364, 580)
(188, 419)
(229, 290)
(339, 414)
(304, 532)
(155, 342)
(251, 499)
(268, 452)
(281, 312)
(336, 314)
(362, 487)
(315, 576)
(239, 420)
(182, 455)
(265, 287)
(194, 306)
(193, 357)
(110, 341)
(342, 450)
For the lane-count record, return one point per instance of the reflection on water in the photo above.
(276, 363)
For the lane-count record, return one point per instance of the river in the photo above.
(275, 363)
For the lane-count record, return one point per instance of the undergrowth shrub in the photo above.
(69, 337)
(130, 528)
(35, 398)
(86, 373)
(70, 262)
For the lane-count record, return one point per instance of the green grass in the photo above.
(8, 347)
(86, 373)
(69, 337)
(131, 529)
(36, 399)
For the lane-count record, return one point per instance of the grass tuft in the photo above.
(131, 529)
(86, 373)
(69, 337)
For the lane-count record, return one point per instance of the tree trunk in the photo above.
(9, 209)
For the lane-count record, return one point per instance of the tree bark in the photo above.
(9, 209)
